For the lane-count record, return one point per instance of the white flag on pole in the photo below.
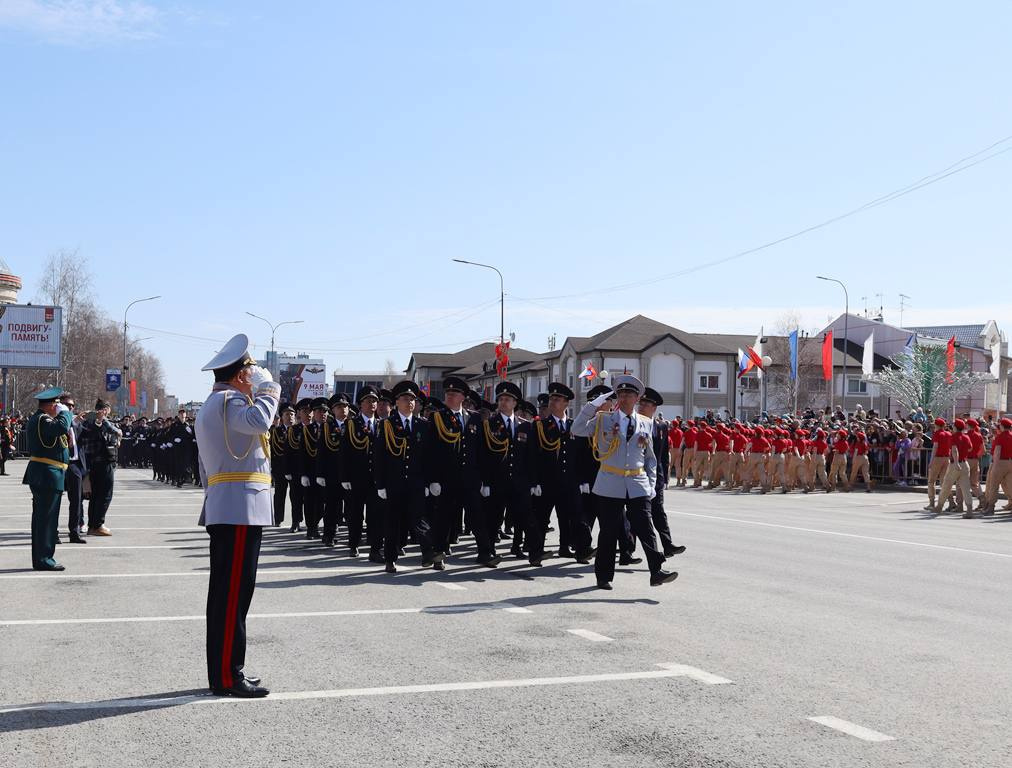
(868, 361)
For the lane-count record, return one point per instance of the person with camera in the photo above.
(99, 440)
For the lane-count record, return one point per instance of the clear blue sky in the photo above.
(324, 161)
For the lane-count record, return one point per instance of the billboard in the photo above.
(31, 337)
(299, 380)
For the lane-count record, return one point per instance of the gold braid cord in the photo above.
(276, 443)
(544, 442)
(305, 441)
(446, 435)
(332, 444)
(396, 445)
(292, 442)
(38, 428)
(359, 444)
(252, 442)
(494, 444)
(595, 442)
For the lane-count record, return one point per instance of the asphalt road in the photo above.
(891, 626)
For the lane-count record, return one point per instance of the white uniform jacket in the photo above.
(235, 467)
(631, 468)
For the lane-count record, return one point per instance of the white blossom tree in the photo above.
(922, 379)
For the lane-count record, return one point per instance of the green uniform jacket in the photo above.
(47, 439)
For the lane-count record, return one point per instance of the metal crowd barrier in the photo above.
(912, 471)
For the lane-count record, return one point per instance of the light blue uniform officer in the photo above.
(232, 430)
(623, 442)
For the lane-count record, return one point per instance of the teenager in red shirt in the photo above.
(859, 462)
(1000, 474)
(941, 441)
(958, 473)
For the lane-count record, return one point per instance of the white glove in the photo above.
(259, 376)
(60, 408)
(600, 400)
(435, 489)
(536, 490)
(346, 486)
(178, 440)
(584, 487)
(189, 431)
(382, 493)
(426, 493)
(270, 389)
(288, 477)
(485, 491)
(305, 481)
(321, 482)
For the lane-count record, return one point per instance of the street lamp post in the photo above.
(272, 363)
(123, 380)
(502, 296)
(846, 338)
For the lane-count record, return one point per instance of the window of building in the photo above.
(749, 383)
(709, 382)
(856, 387)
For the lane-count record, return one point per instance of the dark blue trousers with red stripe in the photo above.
(235, 552)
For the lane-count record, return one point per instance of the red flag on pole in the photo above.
(950, 360)
(827, 356)
(133, 391)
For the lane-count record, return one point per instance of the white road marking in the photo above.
(198, 543)
(449, 585)
(586, 634)
(851, 729)
(667, 671)
(845, 535)
(293, 615)
(196, 511)
(263, 573)
(27, 532)
(697, 674)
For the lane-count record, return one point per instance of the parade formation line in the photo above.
(666, 671)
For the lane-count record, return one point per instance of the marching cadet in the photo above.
(819, 449)
(508, 480)
(385, 405)
(859, 462)
(279, 460)
(312, 443)
(328, 466)
(755, 468)
(778, 459)
(958, 472)
(719, 471)
(48, 457)
(675, 444)
(232, 428)
(736, 458)
(401, 470)
(452, 485)
(1000, 474)
(976, 451)
(703, 454)
(552, 431)
(838, 467)
(941, 442)
(648, 405)
(688, 453)
(296, 460)
(627, 480)
(543, 409)
(358, 478)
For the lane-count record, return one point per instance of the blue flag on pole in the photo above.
(792, 340)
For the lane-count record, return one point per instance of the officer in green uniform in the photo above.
(47, 431)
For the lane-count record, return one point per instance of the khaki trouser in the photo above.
(675, 464)
(1000, 475)
(700, 466)
(754, 472)
(838, 470)
(793, 467)
(958, 475)
(778, 471)
(687, 456)
(819, 471)
(735, 462)
(975, 477)
(718, 468)
(860, 466)
(936, 469)
(805, 470)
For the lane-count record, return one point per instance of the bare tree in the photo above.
(390, 374)
(783, 392)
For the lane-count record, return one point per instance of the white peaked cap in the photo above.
(235, 349)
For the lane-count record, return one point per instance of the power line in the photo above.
(925, 181)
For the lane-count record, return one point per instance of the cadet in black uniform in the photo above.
(280, 474)
(312, 443)
(648, 405)
(329, 466)
(357, 479)
(298, 479)
(401, 472)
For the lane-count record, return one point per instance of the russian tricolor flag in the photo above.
(745, 363)
(589, 372)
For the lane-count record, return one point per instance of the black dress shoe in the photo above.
(625, 559)
(427, 562)
(662, 577)
(496, 559)
(253, 680)
(353, 552)
(52, 565)
(672, 551)
(327, 541)
(516, 552)
(376, 557)
(584, 558)
(76, 539)
(604, 585)
(295, 528)
(401, 552)
(439, 566)
(242, 689)
(391, 568)
(567, 552)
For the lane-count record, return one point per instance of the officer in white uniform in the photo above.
(623, 442)
(232, 434)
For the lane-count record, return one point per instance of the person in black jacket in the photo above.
(280, 475)
(100, 440)
(507, 471)
(401, 471)
(361, 504)
(328, 466)
(77, 470)
(648, 404)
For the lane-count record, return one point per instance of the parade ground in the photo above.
(804, 630)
